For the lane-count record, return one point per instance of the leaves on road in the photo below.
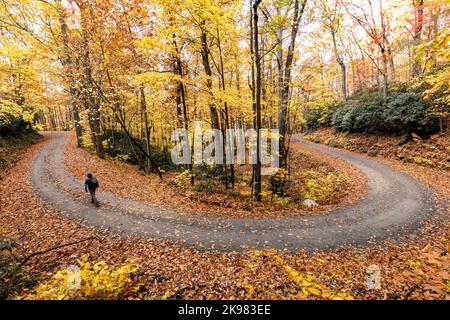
(411, 268)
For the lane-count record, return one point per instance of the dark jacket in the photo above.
(89, 185)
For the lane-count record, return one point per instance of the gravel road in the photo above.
(394, 205)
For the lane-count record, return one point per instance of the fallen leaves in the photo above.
(12, 148)
(414, 267)
(432, 152)
(125, 181)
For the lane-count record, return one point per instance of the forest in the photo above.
(349, 101)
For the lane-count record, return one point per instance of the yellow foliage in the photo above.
(281, 175)
(282, 202)
(166, 296)
(250, 289)
(323, 189)
(181, 179)
(86, 141)
(245, 193)
(89, 282)
(10, 112)
(306, 282)
(264, 252)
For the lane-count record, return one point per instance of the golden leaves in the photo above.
(88, 281)
(420, 266)
(307, 282)
(248, 287)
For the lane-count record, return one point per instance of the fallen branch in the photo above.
(26, 259)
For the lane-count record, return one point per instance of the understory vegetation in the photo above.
(431, 152)
(410, 107)
(310, 178)
(119, 147)
(88, 281)
(16, 134)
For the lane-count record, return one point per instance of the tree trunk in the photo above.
(282, 116)
(280, 86)
(384, 73)
(435, 30)
(258, 101)
(252, 86)
(90, 101)
(227, 118)
(418, 25)
(67, 63)
(147, 127)
(384, 51)
(341, 63)
(207, 67)
(181, 99)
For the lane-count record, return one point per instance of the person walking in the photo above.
(91, 184)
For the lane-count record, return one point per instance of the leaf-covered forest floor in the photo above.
(124, 180)
(433, 152)
(411, 268)
(11, 148)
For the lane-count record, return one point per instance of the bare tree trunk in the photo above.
(341, 63)
(207, 67)
(181, 98)
(178, 98)
(282, 115)
(385, 77)
(227, 119)
(120, 117)
(391, 61)
(252, 86)
(258, 101)
(281, 105)
(178, 101)
(146, 126)
(384, 52)
(418, 13)
(435, 29)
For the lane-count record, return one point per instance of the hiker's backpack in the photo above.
(94, 183)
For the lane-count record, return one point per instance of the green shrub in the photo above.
(122, 157)
(7, 266)
(320, 115)
(365, 117)
(311, 116)
(419, 105)
(204, 186)
(406, 112)
(86, 141)
(204, 171)
(278, 182)
(117, 144)
(233, 192)
(332, 108)
(337, 119)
